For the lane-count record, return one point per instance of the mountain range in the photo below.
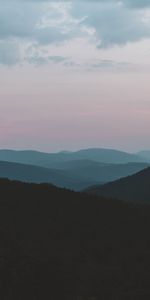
(75, 175)
(53, 160)
(35, 174)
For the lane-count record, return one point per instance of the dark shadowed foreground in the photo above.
(56, 244)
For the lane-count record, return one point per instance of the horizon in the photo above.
(73, 150)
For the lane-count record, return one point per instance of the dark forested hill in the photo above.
(57, 244)
(135, 188)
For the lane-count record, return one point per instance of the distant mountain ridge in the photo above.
(75, 175)
(35, 174)
(73, 170)
(144, 154)
(135, 188)
(108, 155)
(52, 160)
(101, 172)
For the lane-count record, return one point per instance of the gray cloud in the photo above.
(9, 53)
(137, 3)
(110, 65)
(41, 60)
(22, 20)
(130, 3)
(114, 24)
(31, 22)
(102, 65)
(43, 22)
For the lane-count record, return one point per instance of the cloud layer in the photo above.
(35, 24)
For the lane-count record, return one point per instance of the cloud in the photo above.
(9, 53)
(129, 3)
(137, 3)
(32, 21)
(39, 23)
(114, 24)
(36, 22)
(102, 65)
(42, 60)
(105, 64)
(29, 23)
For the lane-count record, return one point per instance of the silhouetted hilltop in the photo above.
(57, 244)
(135, 188)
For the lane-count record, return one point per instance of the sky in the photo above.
(74, 74)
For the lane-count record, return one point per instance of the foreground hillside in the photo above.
(56, 244)
(135, 188)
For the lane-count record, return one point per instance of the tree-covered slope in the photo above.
(56, 244)
(135, 188)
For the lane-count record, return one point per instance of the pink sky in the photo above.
(50, 110)
(74, 75)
